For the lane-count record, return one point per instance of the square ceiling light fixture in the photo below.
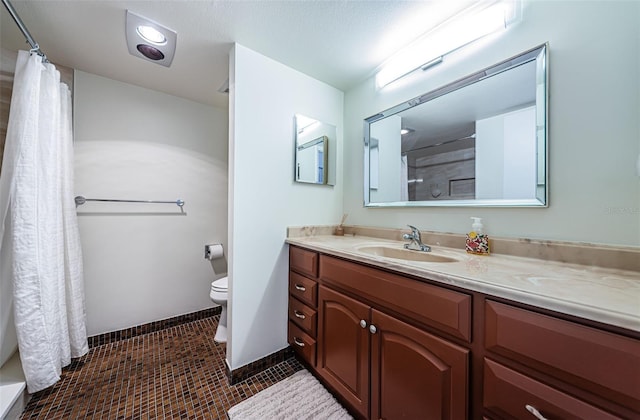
(456, 32)
(150, 40)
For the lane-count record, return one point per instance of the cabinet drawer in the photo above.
(302, 344)
(441, 308)
(303, 261)
(603, 363)
(304, 289)
(508, 393)
(303, 316)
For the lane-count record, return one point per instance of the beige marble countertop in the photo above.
(609, 296)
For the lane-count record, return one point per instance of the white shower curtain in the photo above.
(40, 237)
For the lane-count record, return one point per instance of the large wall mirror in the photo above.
(315, 151)
(479, 141)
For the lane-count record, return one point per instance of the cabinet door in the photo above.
(343, 347)
(415, 375)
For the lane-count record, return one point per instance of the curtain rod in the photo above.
(34, 45)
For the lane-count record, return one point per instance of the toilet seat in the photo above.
(220, 285)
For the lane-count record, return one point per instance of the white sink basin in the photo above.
(404, 254)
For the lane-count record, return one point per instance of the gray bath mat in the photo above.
(300, 396)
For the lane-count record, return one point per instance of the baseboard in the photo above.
(113, 336)
(240, 374)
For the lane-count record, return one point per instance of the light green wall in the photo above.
(594, 137)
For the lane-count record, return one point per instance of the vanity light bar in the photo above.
(464, 28)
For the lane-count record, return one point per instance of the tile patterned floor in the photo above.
(177, 373)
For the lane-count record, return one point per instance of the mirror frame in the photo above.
(538, 54)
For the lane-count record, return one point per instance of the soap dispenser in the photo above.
(477, 241)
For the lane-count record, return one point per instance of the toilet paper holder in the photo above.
(213, 251)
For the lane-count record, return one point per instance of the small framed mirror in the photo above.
(479, 141)
(315, 151)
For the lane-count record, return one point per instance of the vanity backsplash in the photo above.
(621, 258)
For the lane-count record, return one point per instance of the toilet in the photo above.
(218, 295)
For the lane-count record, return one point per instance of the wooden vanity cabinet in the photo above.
(393, 347)
(384, 367)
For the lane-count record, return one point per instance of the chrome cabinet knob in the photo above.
(363, 323)
(538, 415)
(372, 329)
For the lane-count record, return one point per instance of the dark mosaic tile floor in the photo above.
(177, 373)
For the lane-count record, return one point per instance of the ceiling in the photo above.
(340, 42)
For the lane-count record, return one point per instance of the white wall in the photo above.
(519, 165)
(144, 262)
(387, 162)
(264, 97)
(489, 157)
(594, 63)
(506, 155)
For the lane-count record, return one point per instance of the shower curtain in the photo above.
(40, 248)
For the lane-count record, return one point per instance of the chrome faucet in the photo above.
(416, 241)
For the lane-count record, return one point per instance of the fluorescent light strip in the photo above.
(429, 49)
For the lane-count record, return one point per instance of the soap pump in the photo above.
(477, 241)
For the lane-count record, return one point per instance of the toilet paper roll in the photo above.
(213, 251)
